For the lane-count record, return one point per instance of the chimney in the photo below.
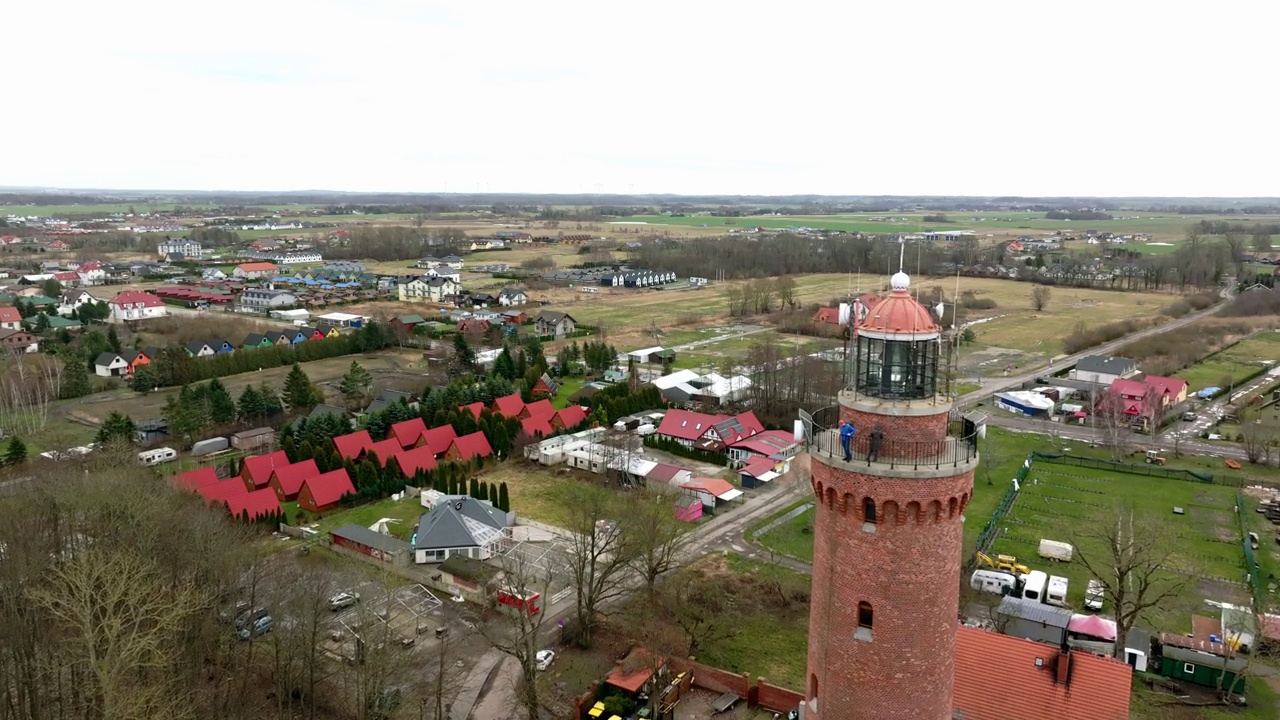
(1064, 666)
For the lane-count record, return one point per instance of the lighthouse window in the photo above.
(869, 510)
(864, 615)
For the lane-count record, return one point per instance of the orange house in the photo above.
(136, 359)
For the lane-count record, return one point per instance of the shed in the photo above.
(758, 472)
(254, 440)
(687, 508)
(1201, 668)
(365, 541)
(1033, 620)
(712, 490)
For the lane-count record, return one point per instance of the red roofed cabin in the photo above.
(693, 428)
(570, 417)
(410, 433)
(827, 316)
(509, 406)
(440, 438)
(353, 445)
(468, 447)
(194, 479)
(287, 481)
(323, 492)
(256, 504)
(538, 409)
(257, 469)
(419, 458)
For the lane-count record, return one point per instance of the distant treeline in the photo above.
(387, 244)
(1077, 215)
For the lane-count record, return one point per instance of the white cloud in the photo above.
(939, 97)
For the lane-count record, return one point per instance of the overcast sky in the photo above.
(1087, 98)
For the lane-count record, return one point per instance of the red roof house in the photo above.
(474, 408)
(352, 445)
(569, 417)
(10, 319)
(537, 427)
(738, 427)
(257, 469)
(193, 479)
(385, 450)
(409, 432)
(288, 480)
(419, 458)
(439, 438)
(321, 493)
(768, 443)
(827, 316)
(222, 490)
(510, 406)
(1171, 390)
(686, 426)
(258, 503)
(1043, 681)
(538, 409)
(468, 447)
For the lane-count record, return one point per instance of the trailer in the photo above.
(210, 446)
(1054, 550)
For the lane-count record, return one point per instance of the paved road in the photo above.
(993, 385)
(1087, 434)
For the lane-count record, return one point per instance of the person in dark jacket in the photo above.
(877, 438)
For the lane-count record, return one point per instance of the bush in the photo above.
(1084, 338)
(676, 448)
(1178, 308)
(1253, 303)
(978, 303)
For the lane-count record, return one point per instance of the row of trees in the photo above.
(758, 296)
(195, 409)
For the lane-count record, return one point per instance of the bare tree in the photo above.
(702, 609)
(785, 287)
(1040, 295)
(515, 631)
(599, 554)
(658, 539)
(444, 678)
(1134, 565)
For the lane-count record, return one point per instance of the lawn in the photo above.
(405, 512)
(1063, 502)
(793, 536)
(1234, 363)
(536, 492)
(568, 386)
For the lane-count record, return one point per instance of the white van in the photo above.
(1056, 593)
(999, 583)
(157, 456)
(1033, 588)
(1094, 594)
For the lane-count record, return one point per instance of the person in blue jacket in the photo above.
(847, 432)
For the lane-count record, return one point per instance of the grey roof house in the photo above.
(460, 525)
(1103, 370)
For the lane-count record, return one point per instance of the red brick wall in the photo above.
(713, 679)
(908, 570)
(897, 429)
(776, 698)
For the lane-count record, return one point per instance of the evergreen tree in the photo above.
(75, 376)
(114, 338)
(271, 405)
(465, 356)
(356, 383)
(366, 476)
(51, 288)
(250, 405)
(41, 323)
(290, 448)
(298, 391)
(24, 308)
(117, 427)
(493, 494)
(144, 380)
(64, 336)
(505, 365)
(16, 452)
(504, 501)
(222, 409)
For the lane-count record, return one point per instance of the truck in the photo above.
(1058, 551)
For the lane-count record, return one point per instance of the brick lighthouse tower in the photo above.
(888, 527)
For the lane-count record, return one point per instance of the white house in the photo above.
(136, 305)
(10, 319)
(73, 299)
(448, 261)
(1103, 370)
(109, 364)
(255, 270)
(512, 296)
(460, 525)
(188, 248)
(425, 289)
(91, 273)
(213, 275)
(446, 273)
(265, 299)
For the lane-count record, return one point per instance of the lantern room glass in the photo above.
(896, 369)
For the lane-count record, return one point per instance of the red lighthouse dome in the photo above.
(899, 314)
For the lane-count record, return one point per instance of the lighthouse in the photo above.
(888, 528)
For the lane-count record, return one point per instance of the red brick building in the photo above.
(888, 528)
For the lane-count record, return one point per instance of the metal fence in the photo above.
(1250, 558)
(954, 450)
(1151, 470)
(989, 533)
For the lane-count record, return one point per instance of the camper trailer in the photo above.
(1056, 593)
(1093, 595)
(999, 583)
(157, 456)
(1033, 588)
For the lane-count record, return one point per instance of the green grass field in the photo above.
(793, 537)
(1234, 363)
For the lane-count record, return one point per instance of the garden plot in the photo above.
(1068, 503)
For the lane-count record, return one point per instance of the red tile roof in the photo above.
(408, 431)
(386, 449)
(291, 477)
(535, 426)
(10, 315)
(223, 490)
(571, 416)
(472, 446)
(256, 503)
(439, 438)
(193, 479)
(259, 467)
(687, 424)
(1129, 388)
(137, 297)
(769, 442)
(739, 427)
(1166, 385)
(510, 406)
(476, 408)
(759, 466)
(664, 472)
(256, 267)
(329, 488)
(715, 486)
(540, 409)
(634, 671)
(827, 315)
(352, 444)
(1097, 688)
(421, 458)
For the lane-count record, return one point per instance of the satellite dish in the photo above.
(457, 505)
(939, 308)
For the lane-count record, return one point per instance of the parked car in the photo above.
(260, 627)
(343, 600)
(544, 658)
(247, 617)
(1093, 595)
(1189, 416)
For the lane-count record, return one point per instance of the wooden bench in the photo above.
(725, 702)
